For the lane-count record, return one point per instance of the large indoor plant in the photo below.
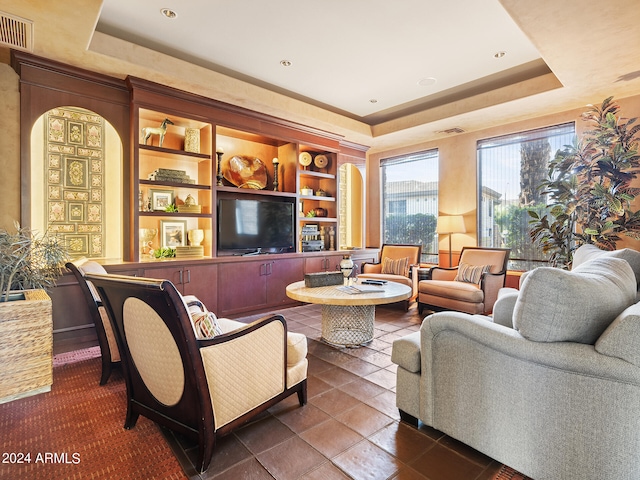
(589, 188)
(29, 264)
(29, 261)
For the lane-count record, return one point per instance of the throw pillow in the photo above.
(398, 266)
(205, 324)
(471, 273)
(588, 252)
(555, 305)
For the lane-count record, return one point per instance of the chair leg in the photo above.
(410, 419)
(205, 451)
(106, 370)
(420, 307)
(131, 418)
(302, 393)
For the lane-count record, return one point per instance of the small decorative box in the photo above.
(322, 279)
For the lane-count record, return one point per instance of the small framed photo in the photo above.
(160, 199)
(173, 233)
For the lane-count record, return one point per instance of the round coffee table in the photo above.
(348, 318)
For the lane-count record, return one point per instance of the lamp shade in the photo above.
(450, 224)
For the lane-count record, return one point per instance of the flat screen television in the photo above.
(255, 226)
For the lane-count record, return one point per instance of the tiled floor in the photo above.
(350, 426)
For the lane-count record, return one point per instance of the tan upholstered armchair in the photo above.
(398, 263)
(200, 388)
(471, 287)
(106, 339)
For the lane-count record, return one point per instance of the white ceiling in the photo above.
(344, 54)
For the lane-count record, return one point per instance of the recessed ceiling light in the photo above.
(285, 63)
(427, 81)
(167, 12)
(373, 100)
(500, 54)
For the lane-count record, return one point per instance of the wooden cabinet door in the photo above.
(202, 281)
(171, 273)
(198, 280)
(242, 287)
(321, 263)
(281, 273)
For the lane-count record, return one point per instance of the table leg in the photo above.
(347, 325)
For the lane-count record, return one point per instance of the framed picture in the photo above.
(173, 233)
(160, 199)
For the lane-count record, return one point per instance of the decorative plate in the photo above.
(245, 172)
(321, 161)
(305, 159)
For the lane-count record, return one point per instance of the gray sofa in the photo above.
(557, 397)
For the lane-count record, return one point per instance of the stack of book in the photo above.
(190, 251)
(170, 175)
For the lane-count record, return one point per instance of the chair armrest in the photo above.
(246, 367)
(442, 273)
(491, 283)
(503, 308)
(567, 356)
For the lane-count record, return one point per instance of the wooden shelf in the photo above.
(172, 152)
(160, 213)
(251, 191)
(312, 174)
(317, 198)
(174, 184)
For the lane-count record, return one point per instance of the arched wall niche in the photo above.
(46, 85)
(76, 181)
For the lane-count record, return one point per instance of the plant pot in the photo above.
(26, 350)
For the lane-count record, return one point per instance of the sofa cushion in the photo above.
(466, 292)
(406, 352)
(555, 305)
(588, 252)
(471, 273)
(621, 339)
(399, 266)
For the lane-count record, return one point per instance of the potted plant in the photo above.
(29, 261)
(589, 188)
(28, 264)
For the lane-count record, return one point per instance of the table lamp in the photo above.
(450, 224)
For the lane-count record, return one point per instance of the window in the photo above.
(410, 201)
(510, 168)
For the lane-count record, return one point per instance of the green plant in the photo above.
(589, 188)
(167, 252)
(171, 208)
(29, 261)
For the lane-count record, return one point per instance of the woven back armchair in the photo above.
(202, 389)
(106, 339)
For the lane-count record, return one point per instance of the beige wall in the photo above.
(457, 164)
(457, 173)
(9, 147)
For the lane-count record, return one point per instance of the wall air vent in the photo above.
(16, 32)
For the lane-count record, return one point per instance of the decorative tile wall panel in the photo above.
(74, 146)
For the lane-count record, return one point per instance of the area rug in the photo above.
(508, 473)
(76, 430)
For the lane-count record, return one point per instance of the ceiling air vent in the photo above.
(16, 32)
(451, 131)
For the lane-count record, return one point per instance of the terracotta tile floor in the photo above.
(350, 426)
